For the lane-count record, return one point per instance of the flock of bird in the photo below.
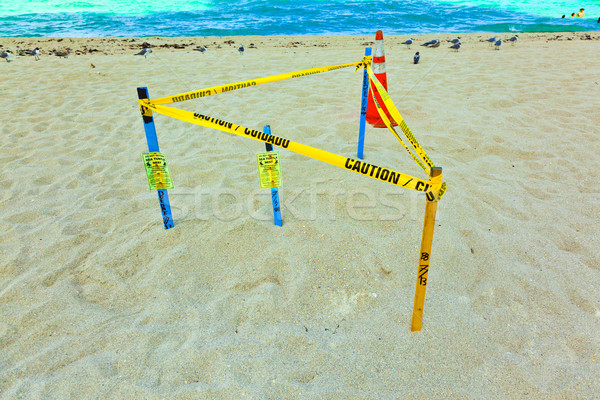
(456, 44)
(7, 54)
(64, 54)
(144, 52)
(497, 42)
(36, 53)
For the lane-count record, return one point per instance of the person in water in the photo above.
(581, 13)
(573, 15)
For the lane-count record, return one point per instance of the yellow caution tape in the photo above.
(146, 112)
(395, 114)
(434, 188)
(363, 63)
(196, 94)
(437, 180)
(387, 122)
(431, 188)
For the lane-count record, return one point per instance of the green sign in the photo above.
(157, 171)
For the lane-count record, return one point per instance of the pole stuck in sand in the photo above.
(363, 109)
(274, 191)
(152, 139)
(424, 258)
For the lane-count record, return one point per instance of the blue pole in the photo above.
(274, 191)
(363, 110)
(151, 138)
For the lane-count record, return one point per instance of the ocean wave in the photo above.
(279, 17)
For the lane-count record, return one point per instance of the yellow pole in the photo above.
(424, 258)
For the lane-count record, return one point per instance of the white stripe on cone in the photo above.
(378, 67)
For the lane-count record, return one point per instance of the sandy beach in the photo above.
(99, 301)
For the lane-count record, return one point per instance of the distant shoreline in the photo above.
(577, 29)
(126, 45)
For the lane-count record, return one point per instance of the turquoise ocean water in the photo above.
(288, 17)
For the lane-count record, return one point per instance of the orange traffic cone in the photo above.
(378, 64)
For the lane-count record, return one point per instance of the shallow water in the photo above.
(286, 17)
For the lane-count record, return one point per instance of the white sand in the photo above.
(97, 300)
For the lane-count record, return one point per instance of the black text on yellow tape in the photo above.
(196, 94)
(388, 124)
(395, 114)
(146, 112)
(431, 188)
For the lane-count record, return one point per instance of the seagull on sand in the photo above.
(498, 44)
(492, 40)
(456, 46)
(241, 49)
(408, 42)
(416, 58)
(454, 41)
(144, 52)
(201, 49)
(35, 52)
(5, 55)
(513, 39)
(436, 44)
(431, 43)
